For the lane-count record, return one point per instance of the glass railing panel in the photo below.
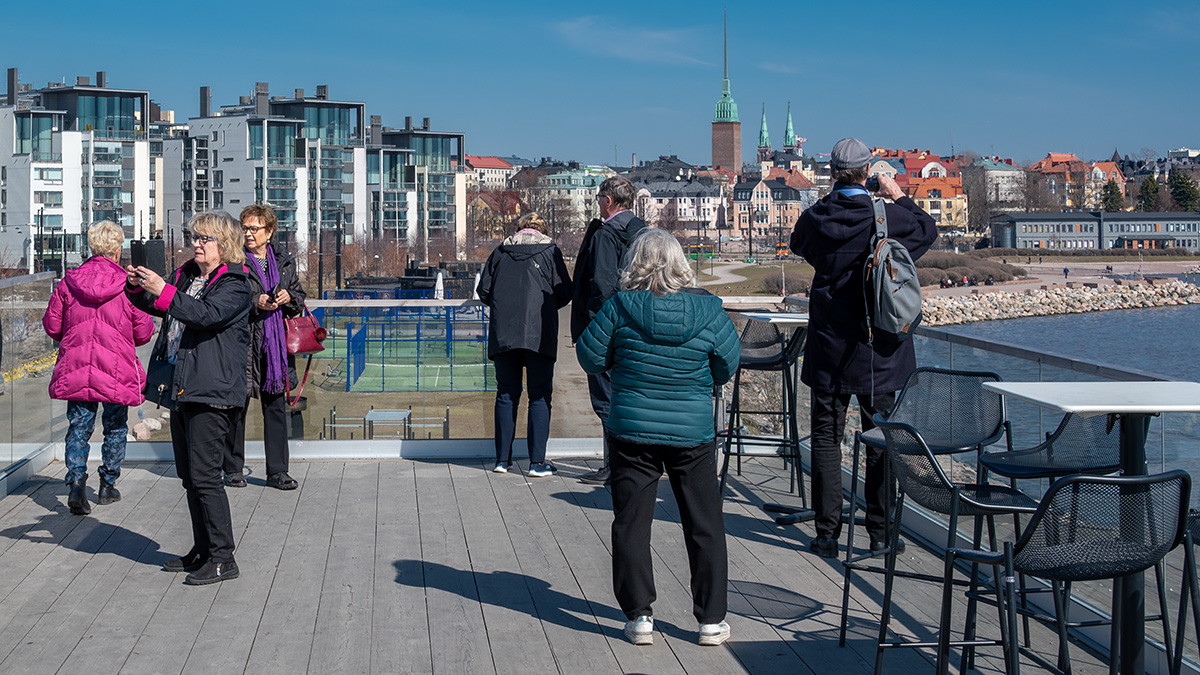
(26, 412)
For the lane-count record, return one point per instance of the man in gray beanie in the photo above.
(834, 237)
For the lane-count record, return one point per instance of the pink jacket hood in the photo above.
(98, 330)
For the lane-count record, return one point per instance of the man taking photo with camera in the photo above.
(840, 361)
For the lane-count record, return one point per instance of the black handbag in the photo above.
(160, 383)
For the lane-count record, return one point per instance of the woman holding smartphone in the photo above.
(270, 370)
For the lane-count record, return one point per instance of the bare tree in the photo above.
(1034, 194)
(980, 200)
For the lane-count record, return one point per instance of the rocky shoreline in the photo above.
(1047, 301)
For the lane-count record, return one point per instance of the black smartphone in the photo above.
(137, 254)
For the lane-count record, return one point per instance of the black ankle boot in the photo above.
(108, 493)
(77, 499)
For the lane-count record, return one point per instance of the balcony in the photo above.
(286, 161)
(281, 183)
(101, 158)
(46, 157)
(407, 534)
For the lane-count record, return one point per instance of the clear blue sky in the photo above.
(597, 82)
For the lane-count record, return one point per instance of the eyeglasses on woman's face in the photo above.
(201, 239)
(250, 229)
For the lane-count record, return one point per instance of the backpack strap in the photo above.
(880, 221)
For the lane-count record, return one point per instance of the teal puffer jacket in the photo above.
(665, 354)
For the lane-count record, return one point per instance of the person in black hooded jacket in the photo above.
(524, 284)
(597, 273)
(205, 334)
(834, 237)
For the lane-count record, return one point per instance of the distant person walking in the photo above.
(665, 345)
(597, 272)
(524, 283)
(1066, 272)
(276, 293)
(98, 330)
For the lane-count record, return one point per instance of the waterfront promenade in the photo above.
(423, 567)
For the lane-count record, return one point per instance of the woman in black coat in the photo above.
(524, 283)
(205, 336)
(270, 371)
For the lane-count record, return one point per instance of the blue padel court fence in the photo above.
(402, 349)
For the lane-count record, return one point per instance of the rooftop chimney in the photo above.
(245, 100)
(425, 124)
(299, 93)
(376, 130)
(261, 99)
(323, 92)
(101, 79)
(205, 102)
(408, 123)
(82, 81)
(12, 86)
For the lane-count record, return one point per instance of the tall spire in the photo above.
(764, 138)
(726, 108)
(789, 135)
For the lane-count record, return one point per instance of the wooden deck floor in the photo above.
(421, 567)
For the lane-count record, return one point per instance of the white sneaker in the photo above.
(713, 633)
(640, 631)
(502, 467)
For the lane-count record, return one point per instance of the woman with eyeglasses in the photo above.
(205, 334)
(270, 371)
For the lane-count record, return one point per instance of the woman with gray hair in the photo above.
(98, 330)
(665, 345)
(205, 337)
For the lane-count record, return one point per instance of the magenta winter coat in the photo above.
(98, 329)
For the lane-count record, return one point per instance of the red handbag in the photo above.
(304, 334)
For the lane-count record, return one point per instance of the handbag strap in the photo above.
(292, 402)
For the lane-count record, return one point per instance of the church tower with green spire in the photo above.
(791, 143)
(726, 128)
(764, 138)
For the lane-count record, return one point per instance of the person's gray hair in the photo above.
(655, 262)
(850, 176)
(620, 190)
(105, 238)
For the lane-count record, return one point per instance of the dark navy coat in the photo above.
(834, 237)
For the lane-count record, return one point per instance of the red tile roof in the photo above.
(476, 162)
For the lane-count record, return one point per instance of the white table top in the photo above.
(379, 415)
(1088, 399)
(780, 318)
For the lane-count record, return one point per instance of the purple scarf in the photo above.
(275, 379)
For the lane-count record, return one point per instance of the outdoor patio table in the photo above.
(791, 321)
(1133, 403)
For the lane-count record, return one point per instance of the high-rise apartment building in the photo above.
(322, 165)
(71, 155)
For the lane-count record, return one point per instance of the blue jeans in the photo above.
(81, 418)
(539, 376)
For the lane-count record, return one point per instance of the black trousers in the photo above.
(828, 417)
(636, 469)
(275, 435)
(539, 378)
(600, 391)
(200, 437)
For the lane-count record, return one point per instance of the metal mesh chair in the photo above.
(1086, 528)
(1078, 445)
(765, 349)
(921, 478)
(954, 413)
(1189, 592)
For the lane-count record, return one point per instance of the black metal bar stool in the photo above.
(765, 348)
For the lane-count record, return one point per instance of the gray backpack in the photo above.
(890, 285)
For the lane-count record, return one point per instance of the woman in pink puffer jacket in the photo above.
(98, 330)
